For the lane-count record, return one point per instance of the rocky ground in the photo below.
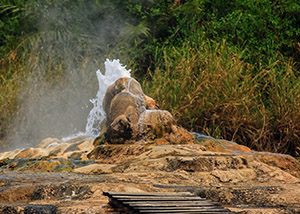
(69, 177)
(141, 149)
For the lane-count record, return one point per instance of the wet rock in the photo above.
(217, 145)
(199, 164)
(40, 209)
(49, 142)
(16, 194)
(133, 116)
(238, 180)
(123, 103)
(45, 165)
(29, 209)
(155, 124)
(52, 148)
(125, 84)
(117, 153)
(158, 127)
(252, 196)
(62, 192)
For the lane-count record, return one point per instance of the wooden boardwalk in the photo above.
(162, 203)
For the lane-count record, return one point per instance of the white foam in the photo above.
(113, 71)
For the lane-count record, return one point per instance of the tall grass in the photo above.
(12, 76)
(209, 89)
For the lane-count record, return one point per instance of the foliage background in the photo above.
(228, 69)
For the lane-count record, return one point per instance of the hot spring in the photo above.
(113, 71)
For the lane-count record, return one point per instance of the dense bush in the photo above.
(10, 24)
(228, 69)
(250, 97)
(209, 89)
(265, 30)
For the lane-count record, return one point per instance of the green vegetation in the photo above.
(229, 69)
(209, 89)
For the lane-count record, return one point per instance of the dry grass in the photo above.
(209, 89)
(12, 78)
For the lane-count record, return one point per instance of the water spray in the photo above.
(113, 71)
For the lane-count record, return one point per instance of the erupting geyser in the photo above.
(113, 71)
(123, 114)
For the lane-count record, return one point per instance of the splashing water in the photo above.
(113, 71)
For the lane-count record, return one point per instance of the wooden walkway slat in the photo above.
(158, 197)
(181, 208)
(165, 194)
(162, 203)
(172, 204)
(183, 211)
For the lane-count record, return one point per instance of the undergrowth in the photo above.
(12, 76)
(209, 89)
(226, 69)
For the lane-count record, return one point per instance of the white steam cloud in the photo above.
(71, 42)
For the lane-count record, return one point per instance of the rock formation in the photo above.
(132, 116)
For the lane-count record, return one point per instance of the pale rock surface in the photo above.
(248, 182)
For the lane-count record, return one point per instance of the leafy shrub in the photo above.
(209, 89)
(265, 30)
(10, 24)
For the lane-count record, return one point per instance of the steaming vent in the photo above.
(113, 71)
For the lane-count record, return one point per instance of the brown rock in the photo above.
(150, 103)
(155, 124)
(282, 161)
(123, 103)
(124, 84)
(128, 120)
(249, 182)
(117, 153)
(119, 130)
(216, 145)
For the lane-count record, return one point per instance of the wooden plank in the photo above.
(184, 211)
(149, 193)
(160, 206)
(164, 204)
(145, 204)
(179, 208)
(188, 212)
(151, 196)
(217, 209)
(158, 199)
(160, 209)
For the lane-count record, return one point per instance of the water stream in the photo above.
(113, 71)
